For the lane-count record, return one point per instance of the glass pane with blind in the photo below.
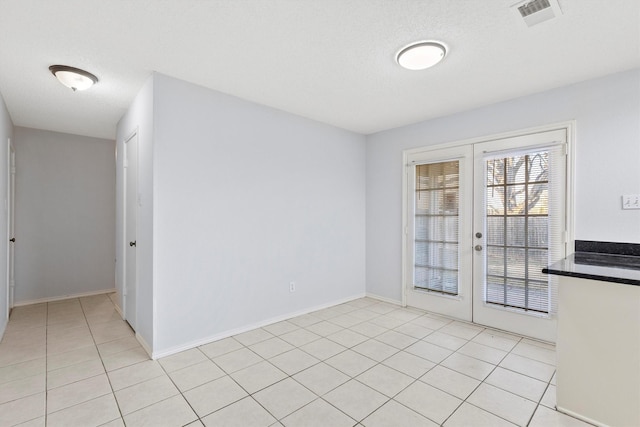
(517, 231)
(436, 224)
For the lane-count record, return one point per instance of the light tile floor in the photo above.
(363, 363)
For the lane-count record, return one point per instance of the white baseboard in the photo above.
(384, 299)
(63, 297)
(119, 310)
(229, 333)
(580, 417)
(3, 327)
(144, 345)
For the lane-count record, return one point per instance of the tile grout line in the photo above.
(226, 374)
(380, 362)
(419, 378)
(181, 393)
(495, 366)
(415, 380)
(351, 378)
(288, 376)
(31, 375)
(367, 337)
(465, 400)
(251, 394)
(540, 400)
(113, 393)
(508, 391)
(239, 385)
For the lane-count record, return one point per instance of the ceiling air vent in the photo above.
(537, 11)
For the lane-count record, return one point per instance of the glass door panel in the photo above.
(438, 270)
(436, 214)
(516, 224)
(519, 214)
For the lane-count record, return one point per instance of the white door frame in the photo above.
(125, 241)
(568, 126)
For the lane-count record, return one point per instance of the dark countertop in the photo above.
(597, 266)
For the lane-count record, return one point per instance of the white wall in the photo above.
(247, 199)
(138, 118)
(6, 131)
(64, 225)
(607, 113)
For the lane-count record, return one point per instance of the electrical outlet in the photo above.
(292, 286)
(631, 201)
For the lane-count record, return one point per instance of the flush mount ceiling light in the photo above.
(421, 55)
(73, 78)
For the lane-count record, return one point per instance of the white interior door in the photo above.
(130, 228)
(482, 221)
(11, 193)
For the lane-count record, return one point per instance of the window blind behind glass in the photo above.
(523, 228)
(437, 194)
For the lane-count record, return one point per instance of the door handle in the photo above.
(478, 248)
(132, 243)
(12, 240)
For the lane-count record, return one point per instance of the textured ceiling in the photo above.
(328, 60)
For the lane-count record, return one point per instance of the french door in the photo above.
(482, 221)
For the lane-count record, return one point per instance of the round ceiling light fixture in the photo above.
(421, 55)
(73, 78)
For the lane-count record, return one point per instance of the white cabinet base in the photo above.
(598, 351)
